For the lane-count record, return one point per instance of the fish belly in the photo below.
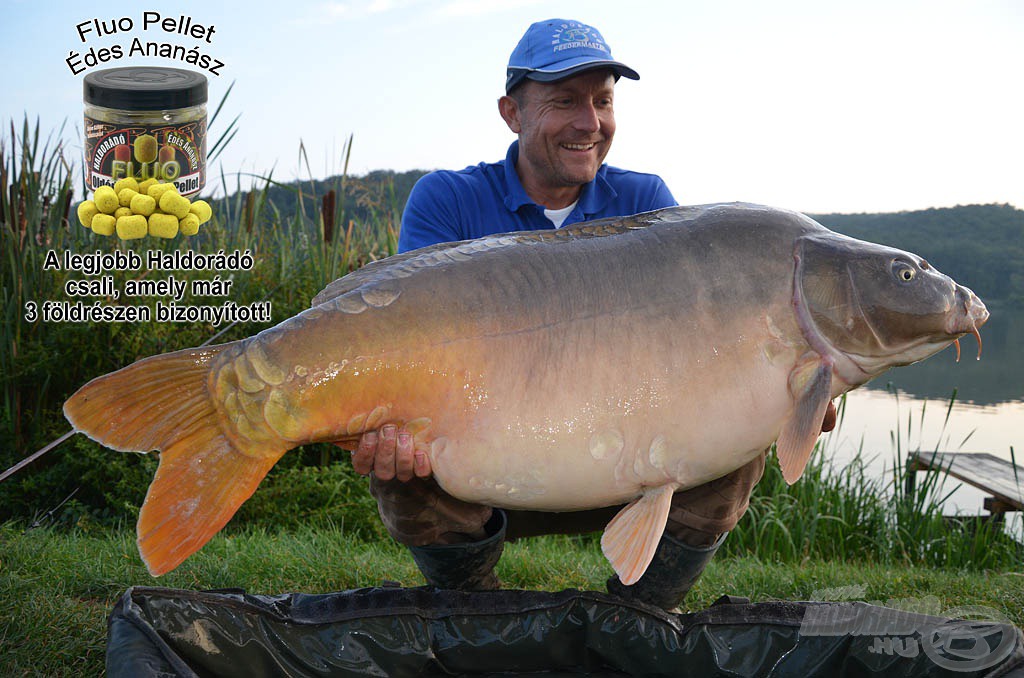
(646, 413)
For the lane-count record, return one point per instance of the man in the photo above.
(559, 102)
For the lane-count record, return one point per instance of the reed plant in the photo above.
(847, 511)
(35, 200)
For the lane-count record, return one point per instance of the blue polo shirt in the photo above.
(446, 205)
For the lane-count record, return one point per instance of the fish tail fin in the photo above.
(164, 403)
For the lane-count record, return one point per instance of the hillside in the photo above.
(981, 246)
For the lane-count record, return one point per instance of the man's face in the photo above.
(565, 129)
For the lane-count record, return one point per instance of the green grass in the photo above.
(57, 587)
(848, 511)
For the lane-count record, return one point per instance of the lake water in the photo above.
(911, 403)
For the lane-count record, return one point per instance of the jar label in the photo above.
(173, 152)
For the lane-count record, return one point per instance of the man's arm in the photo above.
(431, 214)
(662, 196)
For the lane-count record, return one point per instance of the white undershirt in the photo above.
(557, 217)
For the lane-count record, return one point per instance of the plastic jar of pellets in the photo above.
(146, 122)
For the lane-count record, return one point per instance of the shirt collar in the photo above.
(593, 198)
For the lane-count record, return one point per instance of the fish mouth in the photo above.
(974, 316)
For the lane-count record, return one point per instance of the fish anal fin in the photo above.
(632, 537)
(811, 385)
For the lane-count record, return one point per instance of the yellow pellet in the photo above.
(172, 203)
(144, 185)
(163, 225)
(201, 209)
(106, 200)
(131, 228)
(145, 148)
(127, 182)
(103, 224)
(125, 195)
(123, 212)
(86, 211)
(143, 204)
(157, 190)
(189, 224)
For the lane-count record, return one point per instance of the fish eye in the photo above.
(903, 271)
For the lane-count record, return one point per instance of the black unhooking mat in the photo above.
(427, 632)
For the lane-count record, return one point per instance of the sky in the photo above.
(813, 105)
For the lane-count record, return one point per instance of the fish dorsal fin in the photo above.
(810, 382)
(376, 271)
(632, 537)
(406, 264)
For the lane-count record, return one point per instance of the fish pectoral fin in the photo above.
(631, 538)
(811, 384)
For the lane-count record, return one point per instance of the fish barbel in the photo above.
(613, 361)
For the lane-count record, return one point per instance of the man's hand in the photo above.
(829, 422)
(390, 453)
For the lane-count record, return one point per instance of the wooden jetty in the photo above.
(998, 478)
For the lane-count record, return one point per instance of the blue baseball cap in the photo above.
(557, 48)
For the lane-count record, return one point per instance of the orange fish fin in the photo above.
(143, 406)
(201, 482)
(163, 403)
(811, 383)
(631, 538)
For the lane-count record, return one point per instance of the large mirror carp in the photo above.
(612, 361)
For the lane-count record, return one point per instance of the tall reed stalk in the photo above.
(35, 202)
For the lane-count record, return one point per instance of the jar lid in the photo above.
(145, 88)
